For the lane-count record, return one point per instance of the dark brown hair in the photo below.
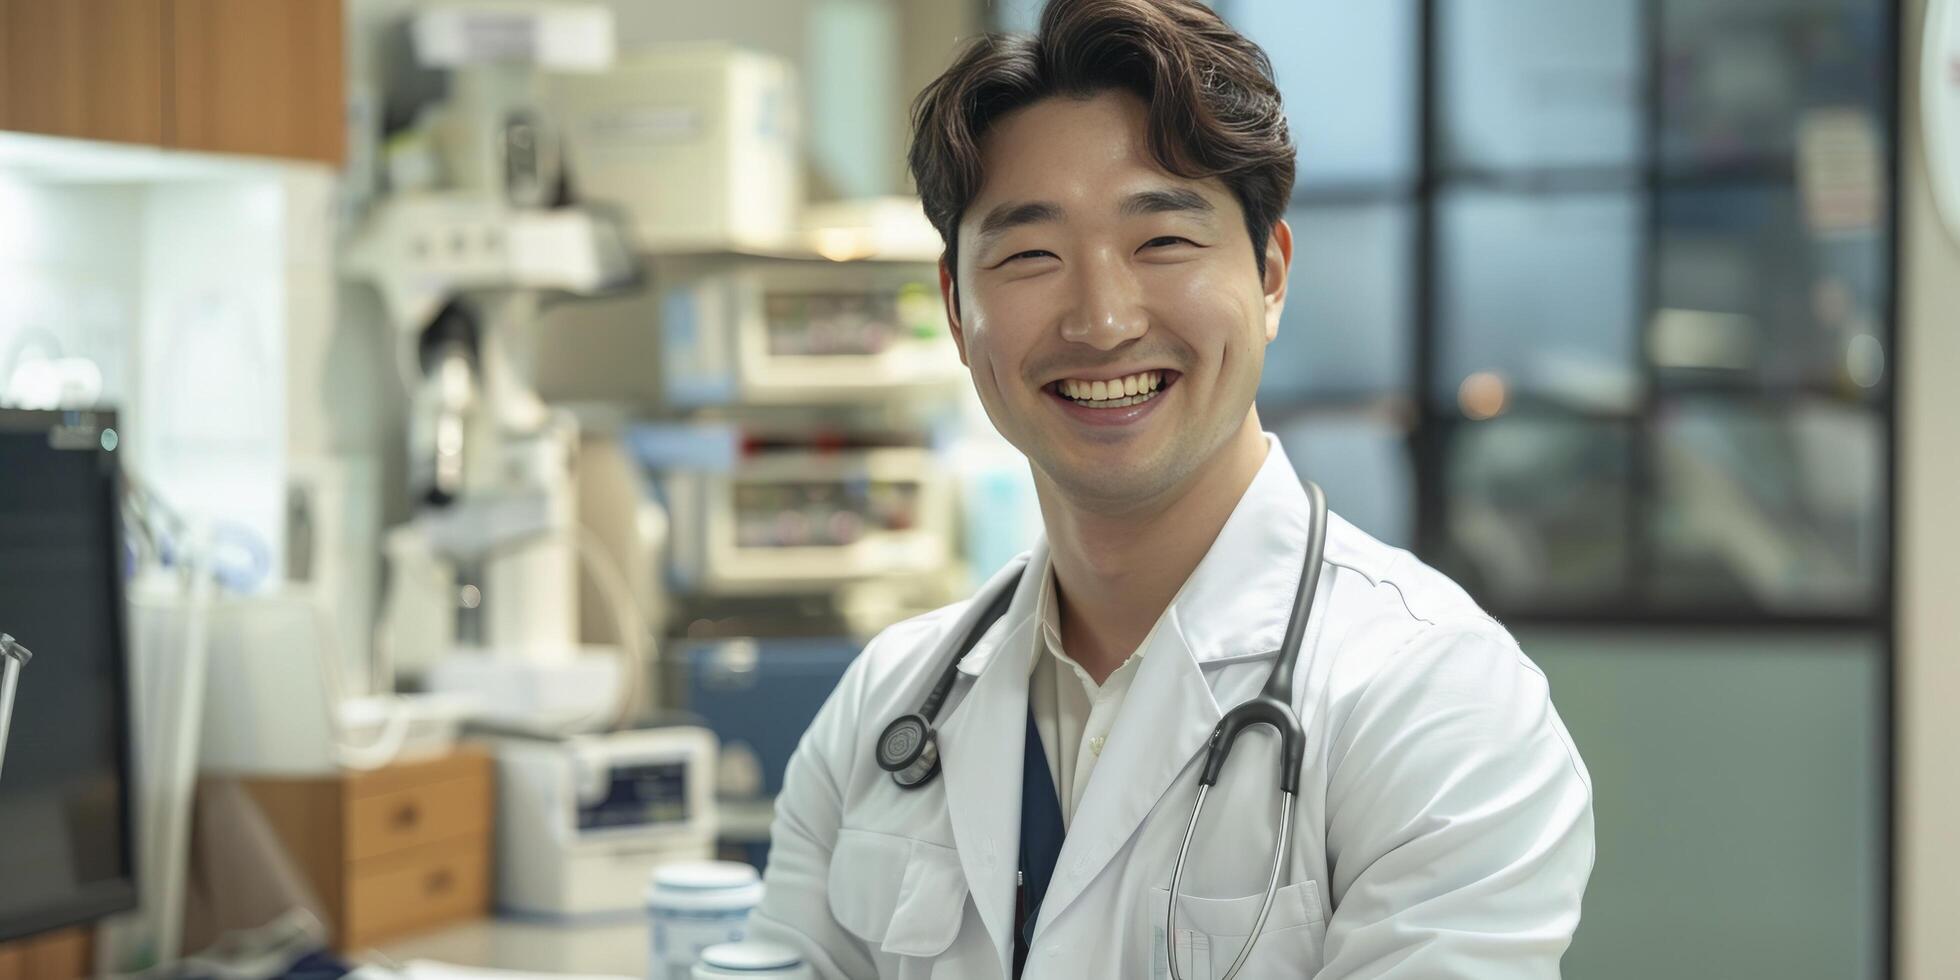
(1214, 110)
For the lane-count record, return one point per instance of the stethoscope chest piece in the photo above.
(909, 750)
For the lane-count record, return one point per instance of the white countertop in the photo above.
(619, 948)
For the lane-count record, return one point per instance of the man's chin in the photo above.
(1111, 482)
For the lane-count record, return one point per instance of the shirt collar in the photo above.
(1048, 622)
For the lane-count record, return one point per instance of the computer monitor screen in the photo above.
(65, 844)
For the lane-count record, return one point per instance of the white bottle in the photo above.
(751, 961)
(694, 905)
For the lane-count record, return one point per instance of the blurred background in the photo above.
(448, 451)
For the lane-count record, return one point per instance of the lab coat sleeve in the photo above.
(1460, 822)
(795, 909)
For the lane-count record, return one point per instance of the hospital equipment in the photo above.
(584, 820)
(808, 520)
(276, 700)
(463, 273)
(68, 799)
(758, 694)
(786, 333)
(699, 142)
(908, 747)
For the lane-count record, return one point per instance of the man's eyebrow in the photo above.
(1013, 215)
(1165, 201)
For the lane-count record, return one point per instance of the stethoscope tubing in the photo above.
(908, 748)
(1282, 849)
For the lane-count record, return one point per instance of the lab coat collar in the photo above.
(1236, 603)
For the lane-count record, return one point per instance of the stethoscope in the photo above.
(909, 747)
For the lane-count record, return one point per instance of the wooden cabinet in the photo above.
(257, 77)
(393, 851)
(59, 955)
(261, 77)
(88, 69)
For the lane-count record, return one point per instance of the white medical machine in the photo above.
(699, 142)
(807, 520)
(584, 820)
(812, 332)
(496, 545)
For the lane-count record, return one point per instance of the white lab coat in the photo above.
(1443, 828)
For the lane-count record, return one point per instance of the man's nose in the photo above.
(1108, 310)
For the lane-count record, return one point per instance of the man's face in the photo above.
(1083, 262)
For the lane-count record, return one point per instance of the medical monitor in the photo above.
(66, 853)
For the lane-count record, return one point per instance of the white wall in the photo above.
(176, 289)
(1928, 683)
(70, 277)
(207, 426)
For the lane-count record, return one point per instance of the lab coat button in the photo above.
(1096, 744)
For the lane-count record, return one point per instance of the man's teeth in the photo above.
(1122, 392)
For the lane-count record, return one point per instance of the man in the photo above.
(1110, 192)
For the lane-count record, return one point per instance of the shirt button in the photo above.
(1095, 746)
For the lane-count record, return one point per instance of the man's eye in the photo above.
(1163, 240)
(1030, 254)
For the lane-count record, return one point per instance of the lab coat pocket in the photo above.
(1211, 931)
(905, 896)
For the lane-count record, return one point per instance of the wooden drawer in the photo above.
(416, 815)
(60, 955)
(394, 850)
(405, 893)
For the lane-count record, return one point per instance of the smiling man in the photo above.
(1006, 787)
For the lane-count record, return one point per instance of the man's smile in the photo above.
(1112, 401)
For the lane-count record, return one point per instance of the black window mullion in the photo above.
(1427, 436)
(1644, 484)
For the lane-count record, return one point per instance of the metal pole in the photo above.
(12, 657)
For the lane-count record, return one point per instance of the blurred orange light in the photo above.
(1482, 396)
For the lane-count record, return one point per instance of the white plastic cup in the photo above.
(751, 961)
(694, 905)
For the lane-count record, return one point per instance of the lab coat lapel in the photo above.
(980, 760)
(1234, 606)
(1165, 720)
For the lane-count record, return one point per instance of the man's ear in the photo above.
(949, 293)
(1279, 256)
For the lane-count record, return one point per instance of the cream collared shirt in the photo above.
(1071, 711)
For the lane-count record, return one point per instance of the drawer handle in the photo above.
(438, 881)
(406, 816)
